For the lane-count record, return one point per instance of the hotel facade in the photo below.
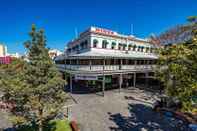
(105, 59)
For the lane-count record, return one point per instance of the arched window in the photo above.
(113, 45)
(147, 49)
(134, 48)
(95, 43)
(151, 50)
(119, 46)
(139, 48)
(82, 45)
(142, 48)
(86, 44)
(129, 47)
(104, 44)
(124, 46)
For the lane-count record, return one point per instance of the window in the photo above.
(147, 49)
(124, 46)
(151, 50)
(95, 42)
(142, 48)
(69, 50)
(131, 62)
(119, 46)
(134, 48)
(113, 45)
(97, 62)
(73, 62)
(86, 44)
(125, 62)
(83, 62)
(104, 44)
(59, 62)
(77, 47)
(139, 48)
(129, 47)
(67, 62)
(82, 45)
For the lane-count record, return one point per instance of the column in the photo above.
(120, 64)
(120, 82)
(103, 85)
(70, 63)
(71, 84)
(134, 79)
(103, 81)
(135, 64)
(146, 79)
(77, 62)
(90, 64)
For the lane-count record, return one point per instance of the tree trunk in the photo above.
(40, 124)
(40, 127)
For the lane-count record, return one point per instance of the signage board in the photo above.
(86, 77)
(104, 31)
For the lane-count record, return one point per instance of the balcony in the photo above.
(106, 67)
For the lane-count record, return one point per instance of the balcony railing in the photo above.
(106, 67)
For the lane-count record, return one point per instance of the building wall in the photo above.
(3, 50)
(99, 34)
(78, 42)
(100, 39)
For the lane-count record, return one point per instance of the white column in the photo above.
(120, 82)
(103, 81)
(134, 79)
(103, 85)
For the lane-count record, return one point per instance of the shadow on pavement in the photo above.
(141, 117)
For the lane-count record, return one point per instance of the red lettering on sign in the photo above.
(104, 31)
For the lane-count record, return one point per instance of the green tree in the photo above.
(177, 69)
(37, 89)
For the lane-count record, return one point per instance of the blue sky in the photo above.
(59, 18)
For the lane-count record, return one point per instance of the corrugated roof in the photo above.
(130, 55)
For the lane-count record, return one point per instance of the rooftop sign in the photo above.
(103, 31)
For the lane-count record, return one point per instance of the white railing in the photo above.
(106, 67)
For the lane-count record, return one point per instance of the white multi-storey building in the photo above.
(107, 58)
(3, 50)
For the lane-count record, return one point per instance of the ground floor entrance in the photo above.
(84, 83)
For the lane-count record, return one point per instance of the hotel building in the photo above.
(104, 59)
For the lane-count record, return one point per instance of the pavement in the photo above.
(129, 110)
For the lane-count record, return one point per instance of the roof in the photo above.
(130, 55)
